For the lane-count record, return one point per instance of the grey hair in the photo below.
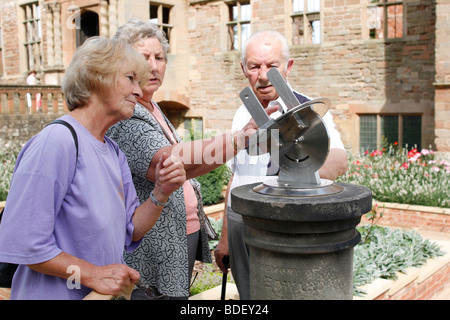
(134, 31)
(266, 34)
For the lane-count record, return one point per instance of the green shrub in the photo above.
(8, 156)
(386, 251)
(212, 184)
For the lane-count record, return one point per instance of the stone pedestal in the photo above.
(301, 247)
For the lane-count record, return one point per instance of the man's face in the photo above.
(261, 56)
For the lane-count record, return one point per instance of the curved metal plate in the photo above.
(305, 140)
(275, 188)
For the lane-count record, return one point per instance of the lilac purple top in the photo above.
(53, 207)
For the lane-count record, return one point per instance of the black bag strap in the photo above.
(75, 139)
(72, 130)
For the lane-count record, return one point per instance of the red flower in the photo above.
(376, 153)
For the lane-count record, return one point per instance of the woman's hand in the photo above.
(113, 279)
(110, 279)
(170, 175)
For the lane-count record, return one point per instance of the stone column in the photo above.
(57, 34)
(113, 18)
(301, 247)
(104, 26)
(50, 42)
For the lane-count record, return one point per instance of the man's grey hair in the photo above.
(134, 31)
(260, 35)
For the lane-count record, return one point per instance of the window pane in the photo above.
(166, 15)
(395, 21)
(313, 5)
(298, 5)
(412, 131)
(154, 13)
(233, 37)
(315, 32)
(245, 33)
(234, 13)
(375, 22)
(368, 132)
(246, 12)
(389, 129)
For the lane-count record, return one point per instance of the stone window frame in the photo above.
(378, 18)
(31, 25)
(375, 126)
(238, 28)
(306, 22)
(1, 52)
(160, 19)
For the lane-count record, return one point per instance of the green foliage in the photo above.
(212, 184)
(8, 156)
(217, 225)
(398, 175)
(387, 251)
(208, 278)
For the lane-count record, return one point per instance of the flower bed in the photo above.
(400, 176)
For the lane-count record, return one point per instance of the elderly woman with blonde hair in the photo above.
(72, 211)
(168, 252)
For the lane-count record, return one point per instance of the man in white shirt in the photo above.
(262, 51)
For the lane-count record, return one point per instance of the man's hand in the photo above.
(220, 252)
(250, 128)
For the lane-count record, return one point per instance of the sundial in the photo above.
(298, 141)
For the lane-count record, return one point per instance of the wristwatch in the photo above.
(156, 201)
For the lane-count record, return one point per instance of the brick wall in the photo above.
(358, 75)
(442, 98)
(442, 119)
(25, 126)
(421, 289)
(412, 216)
(10, 43)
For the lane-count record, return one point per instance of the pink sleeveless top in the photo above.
(190, 199)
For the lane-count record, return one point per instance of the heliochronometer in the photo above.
(156, 201)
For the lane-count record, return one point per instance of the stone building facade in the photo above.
(384, 64)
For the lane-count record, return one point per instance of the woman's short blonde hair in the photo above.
(94, 68)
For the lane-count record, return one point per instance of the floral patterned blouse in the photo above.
(161, 258)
